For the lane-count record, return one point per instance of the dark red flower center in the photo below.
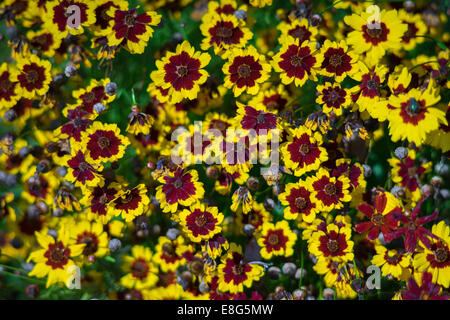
(103, 142)
(440, 255)
(336, 60)
(304, 148)
(378, 219)
(296, 60)
(301, 203)
(139, 268)
(129, 20)
(238, 269)
(178, 183)
(6, 85)
(224, 32)
(273, 239)
(330, 189)
(32, 76)
(201, 220)
(244, 71)
(182, 71)
(57, 255)
(333, 246)
(91, 242)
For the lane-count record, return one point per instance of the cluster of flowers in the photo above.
(108, 199)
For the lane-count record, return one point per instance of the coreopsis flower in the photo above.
(353, 171)
(330, 269)
(439, 138)
(381, 216)
(413, 228)
(318, 121)
(215, 246)
(140, 269)
(332, 243)
(139, 122)
(169, 253)
(245, 70)
(200, 222)
(103, 142)
(130, 29)
(78, 123)
(303, 152)
(415, 26)
(260, 3)
(297, 62)
(299, 201)
(375, 37)
(102, 19)
(276, 240)
(392, 262)
(256, 119)
(130, 202)
(234, 274)
(408, 173)
(337, 60)
(367, 95)
(60, 21)
(413, 115)
(54, 259)
(96, 201)
(224, 32)
(427, 291)
(182, 72)
(91, 234)
(275, 100)
(44, 41)
(435, 259)
(330, 192)
(242, 199)
(180, 187)
(80, 171)
(88, 97)
(32, 76)
(299, 30)
(333, 98)
(227, 7)
(8, 88)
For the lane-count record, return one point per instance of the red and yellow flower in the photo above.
(181, 187)
(103, 142)
(200, 222)
(140, 270)
(130, 29)
(8, 88)
(375, 37)
(54, 259)
(332, 243)
(276, 240)
(299, 201)
(245, 70)
(392, 262)
(337, 60)
(181, 72)
(234, 274)
(297, 62)
(32, 76)
(303, 152)
(333, 98)
(130, 202)
(331, 192)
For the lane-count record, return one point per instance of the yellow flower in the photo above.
(333, 98)
(130, 203)
(8, 88)
(245, 70)
(140, 269)
(200, 222)
(276, 240)
(297, 62)
(414, 116)
(436, 260)
(32, 76)
(182, 72)
(375, 37)
(332, 243)
(337, 60)
(234, 274)
(299, 200)
(391, 262)
(54, 260)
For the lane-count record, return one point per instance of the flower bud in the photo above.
(240, 14)
(315, 20)
(367, 170)
(70, 70)
(274, 273)
(99, 107)
(212, 172)
(426, 190)
(269, 204)
(401, 153)
(114, 245)
(172, 233)
(253, 183)
(398, 191)
(32, 291)
(289, 268)
(111, 88)
(249, 229)
(10, 115)
(409, 6)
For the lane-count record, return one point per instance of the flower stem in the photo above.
(22, 277)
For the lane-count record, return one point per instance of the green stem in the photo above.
(419, 65)
(22, 277)
(12, 268)
(301, 265)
